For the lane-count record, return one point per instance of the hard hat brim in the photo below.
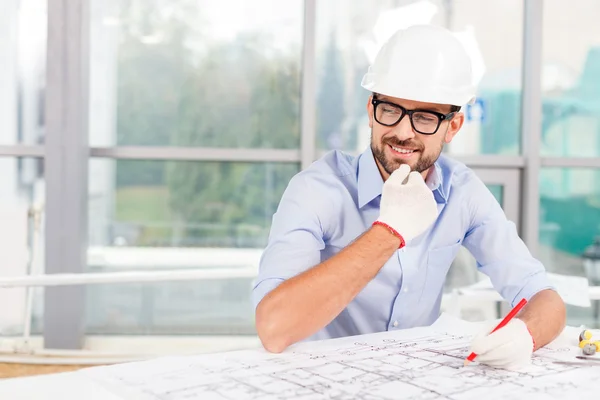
(434, 95)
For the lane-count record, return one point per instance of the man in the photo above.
(362, 245)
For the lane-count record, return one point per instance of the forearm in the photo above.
(302, 305)
(545, 316)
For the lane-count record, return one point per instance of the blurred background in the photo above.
(160, 134)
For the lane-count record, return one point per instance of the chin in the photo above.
(397, 164)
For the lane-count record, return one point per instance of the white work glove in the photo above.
(407, 207)
(510, 347)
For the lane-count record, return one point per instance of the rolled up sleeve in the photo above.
(500, 253)
(295, 240)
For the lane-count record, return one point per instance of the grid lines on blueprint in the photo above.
(418, 364)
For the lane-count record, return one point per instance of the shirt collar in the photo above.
(435, 182)
(370, 182)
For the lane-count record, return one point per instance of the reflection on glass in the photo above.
(349, 33)
(571, 80)
(569, 222)
(21, 237)
(154, 215)
(184, 204)
(23, 32)
(195, 73)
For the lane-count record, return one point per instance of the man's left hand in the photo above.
(510, 347)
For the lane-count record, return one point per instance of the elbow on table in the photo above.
(273, 345)
(270, 332)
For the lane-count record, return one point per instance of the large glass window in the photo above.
(200, 73)
(155, 215)
(196, 73)
(571, 79)
(22, 71)
(569, 223)
(348, 36)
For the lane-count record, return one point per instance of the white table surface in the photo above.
(78, 386)
(64, 386)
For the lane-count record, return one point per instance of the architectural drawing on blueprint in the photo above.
(421, 363)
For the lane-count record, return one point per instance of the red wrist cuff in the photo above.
(394, 232)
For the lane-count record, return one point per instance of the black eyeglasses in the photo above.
(423, 121)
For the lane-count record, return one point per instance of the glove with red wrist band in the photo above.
(407, 205)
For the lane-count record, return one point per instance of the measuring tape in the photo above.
(588, 344)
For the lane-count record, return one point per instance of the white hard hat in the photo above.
(423, 63)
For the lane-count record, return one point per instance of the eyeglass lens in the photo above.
(423, 121)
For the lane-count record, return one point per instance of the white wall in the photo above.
(8, 73)
(13, 250)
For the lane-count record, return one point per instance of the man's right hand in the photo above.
(307, 302)
(407, 204)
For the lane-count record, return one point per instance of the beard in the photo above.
(423, 163)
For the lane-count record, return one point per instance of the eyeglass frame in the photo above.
(441, 116)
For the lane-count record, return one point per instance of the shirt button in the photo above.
(405, 290)
(395, 324)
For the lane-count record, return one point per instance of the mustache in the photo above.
(404, 143)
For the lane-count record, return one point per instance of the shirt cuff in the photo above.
(263, 288)
(531, 290)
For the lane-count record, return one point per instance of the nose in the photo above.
(403, 130)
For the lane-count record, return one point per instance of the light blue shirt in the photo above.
(335, 200)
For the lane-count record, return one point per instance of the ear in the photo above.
(370, 111)
(454, 126)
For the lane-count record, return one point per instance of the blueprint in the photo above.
(419, 363)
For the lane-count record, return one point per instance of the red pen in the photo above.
(502, 323)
